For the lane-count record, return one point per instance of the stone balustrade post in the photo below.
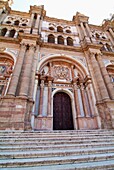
(17, 71)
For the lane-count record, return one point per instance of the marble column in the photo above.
(83, 99)
(65, 41)
(96, 90)
(98, 77)
(49, 97)
(72, 71)
(17, 71)
(16, 34)
(7, 33)
(90, 99)
(106, 77)
(41, 98)
(34, 67)
(77, 105)
(27, 68)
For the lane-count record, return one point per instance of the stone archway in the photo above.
(62, 112)
(64, 74)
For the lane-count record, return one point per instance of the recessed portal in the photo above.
(62, 112)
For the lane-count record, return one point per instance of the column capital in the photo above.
(42, 84)
(22, 44)
(32, 47)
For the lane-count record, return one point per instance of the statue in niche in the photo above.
(61, 72)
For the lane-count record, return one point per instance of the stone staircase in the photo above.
(57, 150)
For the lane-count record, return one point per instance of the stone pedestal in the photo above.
(15, 113)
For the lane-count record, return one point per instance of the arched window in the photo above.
(59, 29)
(3, 31)
(6, 65)
(103, 47)
(16, 22)
(51, 38)
(12, 33)
(97, 35)
(108, 47)
(60, 40)
(69, 41)
(21, 31)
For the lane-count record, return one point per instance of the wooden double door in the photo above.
(62, 112)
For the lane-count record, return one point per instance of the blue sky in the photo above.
(96, 10)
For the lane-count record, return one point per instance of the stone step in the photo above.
(72, 132)
(58, 152)
(53, 141)
(99, 165)
(55, 137)
(55, 160)
(54, 146)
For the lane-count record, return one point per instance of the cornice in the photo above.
(62, 47)
(108, 53)
(9, 40)
(32, 37)
(86, 45)
(23, 14)
(51, 19)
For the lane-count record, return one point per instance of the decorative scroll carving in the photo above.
(61, 72)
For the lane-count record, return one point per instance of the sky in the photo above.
(96, 10)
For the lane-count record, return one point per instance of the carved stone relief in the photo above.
(61, 72)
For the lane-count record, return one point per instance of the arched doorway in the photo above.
(62, 112)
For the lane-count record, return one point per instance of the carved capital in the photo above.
(42, 84)
(32, 47)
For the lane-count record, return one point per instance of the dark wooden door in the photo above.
(62, 112)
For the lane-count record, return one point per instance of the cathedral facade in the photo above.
(55, 74)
